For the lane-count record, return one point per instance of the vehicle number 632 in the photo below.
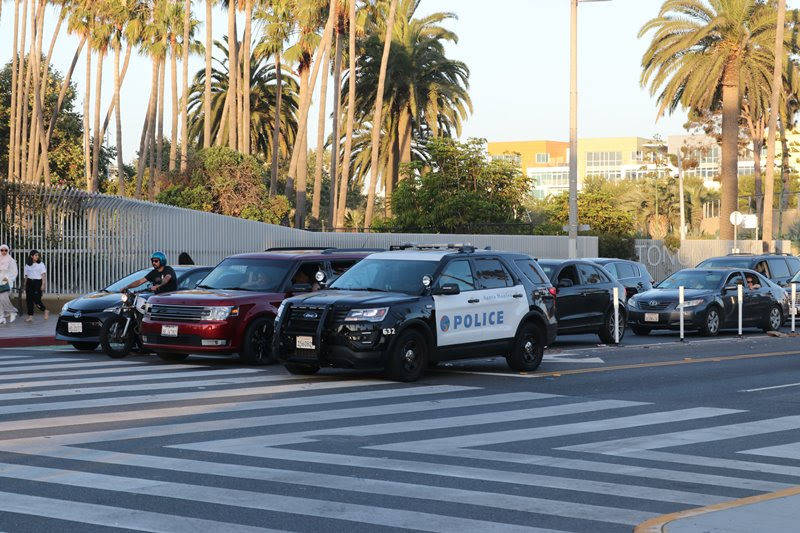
(388, 331)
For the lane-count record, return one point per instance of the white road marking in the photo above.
(771, 388)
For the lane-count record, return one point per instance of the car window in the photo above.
(247, 274)
(341, 266)
(191, 279)
(735, 279)
(693, 279)
(778, 268)
(460, 273)
(753, 282)
(794, 264)
(735, 262)
(399, 275)
(117, 286)
(531, 271)
(761, 268)
(307, 273)
(569, 272)
(612, 267)
(492, 274)
(590, 275)
(625, 271)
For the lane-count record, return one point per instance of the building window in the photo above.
(603, 159)
(610, 175)
(542, 158)
(513, 158)
(550, 179)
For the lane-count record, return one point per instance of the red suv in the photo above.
(233, 309)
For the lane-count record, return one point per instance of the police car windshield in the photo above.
(693, 279)
(387, 275)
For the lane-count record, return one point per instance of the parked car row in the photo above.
(412, 307)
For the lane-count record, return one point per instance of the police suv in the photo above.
(410, 308)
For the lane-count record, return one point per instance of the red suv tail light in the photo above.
(553, 291)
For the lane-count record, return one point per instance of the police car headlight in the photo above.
(221, 312)
(375, 314)
(280, 310)
(690, 303)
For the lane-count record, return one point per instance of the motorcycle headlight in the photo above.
(690, 303)
(376, 314)
(125, 297)
(221, 312)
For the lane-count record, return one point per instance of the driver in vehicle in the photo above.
(162, 278)
(753, 283)
(303, 277)
(258, 280)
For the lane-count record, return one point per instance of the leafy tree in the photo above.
(598, 208)
(459, 189)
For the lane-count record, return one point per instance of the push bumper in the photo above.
(342, 348)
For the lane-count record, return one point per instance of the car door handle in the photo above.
(517, 296)
(473, 301)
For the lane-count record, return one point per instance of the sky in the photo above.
(518, 55)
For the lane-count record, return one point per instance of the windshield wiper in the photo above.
(235, 289)
(202, 287)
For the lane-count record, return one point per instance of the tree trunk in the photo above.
(405, 136)
(207, 87)
(112, 105)
(187, 17)
(730, 136)
(777, 87)
(43, 162)
(36, 115)
(98, 137)
(144, 140)
(232, 75)
(162, 82)
(23, 162)
(323, 97)
(276, 132)
(248, 22)
(301, 163)
(390, 179)
(151, 134)
(223, 122)
(87, 158)
(173, 78)
(337, 97)
(784, 169)
(19, 116)
(376, 121)
(12, 124)
(758, 189)
(118, 123)
(351, 110)
(305, 104)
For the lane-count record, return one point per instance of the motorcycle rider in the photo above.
(162, 278)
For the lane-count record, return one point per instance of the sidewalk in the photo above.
(37, 333)
(775, 512)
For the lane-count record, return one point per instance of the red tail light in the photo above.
(553, 291)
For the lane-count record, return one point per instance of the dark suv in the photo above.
(233, 310)
(633, 275)
(779, 268)
(404, 310)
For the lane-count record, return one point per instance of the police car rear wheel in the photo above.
(301, 370)
(528, 349)
(409, 357)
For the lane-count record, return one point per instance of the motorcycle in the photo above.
(120, 334)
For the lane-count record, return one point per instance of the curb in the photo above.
(21, 342)
(659, 524)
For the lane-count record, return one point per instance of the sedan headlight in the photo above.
(221, 312)
(376, 314)
(633, 303)
(65, 307)
(690, 303)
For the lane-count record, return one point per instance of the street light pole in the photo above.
(573, 130)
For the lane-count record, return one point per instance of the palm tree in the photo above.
(351, 109)
(699, 55)
(323, 97)
(207, 93)
(100, 40)
(12, 122)
(777, 88)
(263, 91)
(376, 121)
(187, 26)
(233, 74)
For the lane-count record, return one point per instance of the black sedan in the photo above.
(710, 302)
(80, 319)
(584, 298)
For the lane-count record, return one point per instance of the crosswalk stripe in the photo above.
(118, 517)
(228, 407)
(268, 502)
(66, 366)
(116, 370)
(715, 462)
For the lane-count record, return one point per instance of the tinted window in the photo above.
(693, 279)
(247, 274)
(191, 279)
(492, 274)
(778, 268)
(734, 279)
(117, 286)
(386, 275)
(794, 264)
(569, 272)
(460, 273)
(612, 267)
(529, 268)
(342, 266)
(549, 269)
(741, 262)
(590, 274)
(625, 271)
(307, 273)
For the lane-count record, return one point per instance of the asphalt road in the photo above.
(599, 439)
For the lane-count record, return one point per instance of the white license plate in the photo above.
(75, 327)
(169, 331)
(305, 343)
(651, 317)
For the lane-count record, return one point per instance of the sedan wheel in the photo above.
(774, 320)
(712, 323)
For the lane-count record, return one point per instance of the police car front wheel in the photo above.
(528, 349)
(408, 357)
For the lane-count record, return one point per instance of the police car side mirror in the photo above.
(448, 289)
(300, 287)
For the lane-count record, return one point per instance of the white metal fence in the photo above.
(661, 262)
(88, 241)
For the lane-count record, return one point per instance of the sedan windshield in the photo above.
(389, 275)
(247, 274)
(117, 286)
(731, 262)
(693, 279)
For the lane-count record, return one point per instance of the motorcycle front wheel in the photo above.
(114, 344)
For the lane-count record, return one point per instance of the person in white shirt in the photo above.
(35, 284)
(8, 277)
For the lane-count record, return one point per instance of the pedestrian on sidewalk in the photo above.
(8, 278)
(35, 284)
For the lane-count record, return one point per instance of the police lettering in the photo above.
(478, 320)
